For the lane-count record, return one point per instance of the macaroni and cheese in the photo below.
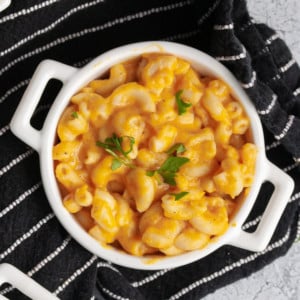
(155, 157)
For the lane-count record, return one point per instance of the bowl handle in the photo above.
(258, 240)
(22, 282)
(20, 123)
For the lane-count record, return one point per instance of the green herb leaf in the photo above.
(74, 115)
(150, 173)
(169, 177)
(180, 195)
(169, 169)
(178, 148)
(181, 105)
(173, 163)
(113, 146)
(116, 164)
(131, 143)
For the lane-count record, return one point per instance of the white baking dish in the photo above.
(73, 79)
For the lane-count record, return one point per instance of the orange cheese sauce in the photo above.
(154, 158)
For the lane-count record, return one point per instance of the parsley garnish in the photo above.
(150, 173)
(181, 105)
(113, 145)
(180, 195)
(178, 148)
(74, 115)
(116, 164)
(169, 169)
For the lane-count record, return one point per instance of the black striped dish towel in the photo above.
(75, 31)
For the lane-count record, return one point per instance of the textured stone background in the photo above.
(281, 279)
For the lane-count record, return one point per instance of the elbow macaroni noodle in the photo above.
(115, 198)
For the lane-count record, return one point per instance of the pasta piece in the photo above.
(191, 239)
(66, 151)
(83, 196)
(131, 93)
(71, 125)
(102, 174)
(191, 87)
(101, 235)
(128, 123)
(214, 107)
(68, 176)
(158, 73)
(162, 235)
(105, 87)
(164, 139)
(130, 239)
(240, 126)
(70, 204)
(104, 216)
(214, 221)
(141, 187)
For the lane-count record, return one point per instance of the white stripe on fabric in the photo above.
(273, 145)
(294, 197)
(208, 13)
(250, 84)
(223, 27)
(276, 77)
(246, 25)
(82, 62)
(27, 11)
(6, 290)
(41, 108)
(290, 167)
(181, 36)
(287, 65)
(106, 25)
(107, 265)
(271, 39)
(242, 55)
(50, 257)
(42, 263)
(150, 278)
(112, 295)
(14, 89)
(270, 106)
(4, 129)
(283, 69)
(51, 26)
(286, 128)
(231, 267)
(21, 198)
(15, 161)
(93, 298)
(26, 235)
(296, 92)
(75, 275)
(298, 230)
(251, 223)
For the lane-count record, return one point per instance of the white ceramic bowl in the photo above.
(73, 79)
(4, 4)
